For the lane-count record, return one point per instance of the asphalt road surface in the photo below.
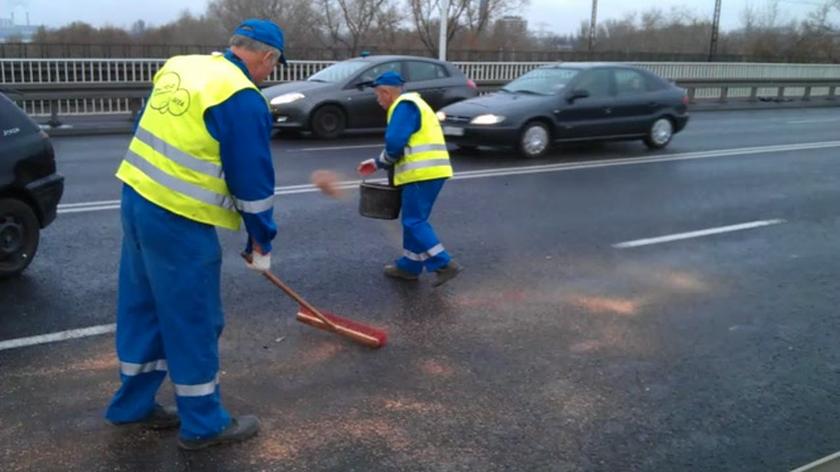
(622, 310)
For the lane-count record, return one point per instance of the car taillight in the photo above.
(471, 84)
(685, 100)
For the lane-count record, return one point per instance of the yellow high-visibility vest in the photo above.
(173, 160)
(426, 156)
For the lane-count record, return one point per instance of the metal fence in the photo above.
(21, 72)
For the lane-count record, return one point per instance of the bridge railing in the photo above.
(101, 86)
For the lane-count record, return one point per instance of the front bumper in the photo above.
(47, 193)
(472, 135)
(290, 117)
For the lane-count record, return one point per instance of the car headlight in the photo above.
(441, 116)
(487, 120)
(287, 98)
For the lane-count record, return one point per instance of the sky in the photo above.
(557, 16)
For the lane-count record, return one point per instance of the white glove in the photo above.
(259, 262)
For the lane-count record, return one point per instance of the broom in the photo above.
(308, 314)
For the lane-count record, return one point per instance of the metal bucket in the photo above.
(379, 201)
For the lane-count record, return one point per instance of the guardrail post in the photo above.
(807, 96)
(781, 94)
(753, 94)
(134, 105)
(724, 94)
(832, 92)
(54, 122)
(692, 94)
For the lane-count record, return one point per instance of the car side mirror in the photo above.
(577, 94)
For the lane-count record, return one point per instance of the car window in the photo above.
(596, 82)
(380, 69)
(542, 81)
(419, 71)
(339, 71)
(12, 119)
(629, 82)
(654, 82)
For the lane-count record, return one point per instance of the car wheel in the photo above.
(19, 235)
(535, 140)
(660, 134)
(328, 122)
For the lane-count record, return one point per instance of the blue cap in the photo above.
(389, 79)
(264, 31)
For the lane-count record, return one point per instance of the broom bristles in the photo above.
(368, 335)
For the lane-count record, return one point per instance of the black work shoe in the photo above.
(396, 273)
(239, 429)
(447, 273)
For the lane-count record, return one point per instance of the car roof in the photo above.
(387, 58)
(587, 65)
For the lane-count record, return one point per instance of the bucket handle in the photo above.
(390, 178)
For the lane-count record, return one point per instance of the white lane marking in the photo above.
(818, 463)
(520, 170)
(339, 148)
(59, 336)
(87, 204)
(807, 122)
(696, 234)
(115, 206)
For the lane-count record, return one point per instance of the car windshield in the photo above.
(547, 81)
(338, 72)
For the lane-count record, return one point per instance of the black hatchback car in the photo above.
(335, 99)
(30, 188)
(570, 102)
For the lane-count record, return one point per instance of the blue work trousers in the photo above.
(169, 317)
(421, 248)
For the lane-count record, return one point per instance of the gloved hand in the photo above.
(367, 167)
(255, 259)
(259, 262)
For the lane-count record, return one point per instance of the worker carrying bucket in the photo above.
(415, 152)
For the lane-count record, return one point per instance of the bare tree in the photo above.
(350, 22)
(464, 16)
(298, 19)
(426, 17)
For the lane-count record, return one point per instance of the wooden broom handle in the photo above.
(294, 295)
(280, 284)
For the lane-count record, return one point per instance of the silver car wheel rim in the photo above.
(535, 140)
(662, 131)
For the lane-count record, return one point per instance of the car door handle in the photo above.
(653, 104)
(608, 111)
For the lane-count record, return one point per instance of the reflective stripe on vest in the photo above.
(426, 156)
(211, 169)
(173, 160)
(193, 191)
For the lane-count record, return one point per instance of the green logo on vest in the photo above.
(168, 96)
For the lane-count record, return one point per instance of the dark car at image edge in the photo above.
(30, 188)
(337, 99)
(568, 102)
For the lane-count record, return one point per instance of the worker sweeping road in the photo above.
(416, 151)
(200, 158)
